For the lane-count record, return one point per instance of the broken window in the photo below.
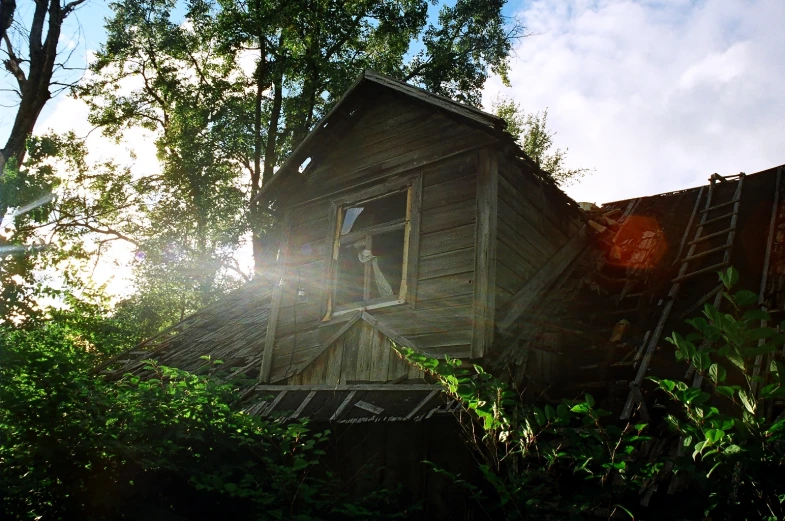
(369, 252)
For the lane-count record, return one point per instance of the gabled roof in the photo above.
(345, 113)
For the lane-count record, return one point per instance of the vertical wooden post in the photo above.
(275, 305)
(485, 254)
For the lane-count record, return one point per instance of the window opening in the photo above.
(370, 251)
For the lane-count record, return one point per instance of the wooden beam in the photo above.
(411, 256)
(335, 336)
(387, 330)
(533, 290)
(274, 403)
(275, 305)
(303, 405)
(485, 251)
(371, 408)
(421, 405)
(343, 406)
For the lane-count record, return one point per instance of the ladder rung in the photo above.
(721, 217)
(721, 205)
(700, 271)
(712, 235)
(707, 252)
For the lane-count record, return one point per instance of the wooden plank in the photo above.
(298, 317)
(398, 367)
(528, 231)
(460, 300)
(450, 191)
(519, 245)
(380, 348)
(464, 351)
(450, 239)
(411, 254)
(449, 286)
(364, 353)
(415, 373)
(310, 211)
(435, 141)
(303, 405)
(371, 408)
(530, 187)
(308, 232)
(351, 346)
(420, 405)
(403, 138)
(508, 280)
(448, 263)
(333, 367)
(272, 323)
(387, 330)
(514, 262)
(471, 114)
(485, 252)
(332, 339)
(427, 341)
(412, 322)
(343, 406)
(417, 158)
(285, 345)
(543, 279)
(274, 403)
(502, 297)
(448, 216)
(452, 168)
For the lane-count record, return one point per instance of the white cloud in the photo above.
(655, 95)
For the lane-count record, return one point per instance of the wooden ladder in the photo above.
(651, 340)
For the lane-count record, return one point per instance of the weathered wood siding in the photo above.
(392, 135)
(361, 355)
(393, 139)
(531, 229)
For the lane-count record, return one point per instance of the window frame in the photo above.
(411, 226)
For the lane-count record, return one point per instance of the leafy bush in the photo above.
(574, 461)
(170, 447)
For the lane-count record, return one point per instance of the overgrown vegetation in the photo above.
(575, 461)
(170, 447)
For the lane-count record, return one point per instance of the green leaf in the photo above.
(756, 314)
(539, 417)
(717, 373)
(581, 408)
(744, 298)
(747, 400)
(550, 412)
(729, 277)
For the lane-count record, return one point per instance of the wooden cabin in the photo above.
(409, 219)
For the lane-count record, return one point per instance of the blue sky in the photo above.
(655, 96)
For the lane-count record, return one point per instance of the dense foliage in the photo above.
(574, 461)
(169, 447)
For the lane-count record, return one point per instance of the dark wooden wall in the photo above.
(531, 228)
(393, 140)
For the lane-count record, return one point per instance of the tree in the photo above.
(32, 71)
(531, 133)
(258, 75)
